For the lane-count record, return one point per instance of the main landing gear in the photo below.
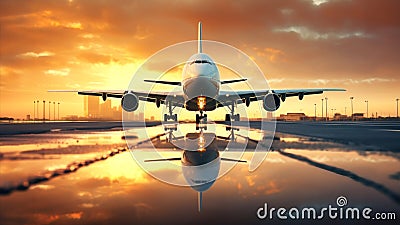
(170, 116)
(232, 116)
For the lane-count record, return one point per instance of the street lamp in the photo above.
(37, 109)
(366, 101)
(49, 109)
(58, 111)
(44, 110)
(322, 115)
(352, 116)
(34, 110)
(326, 108)
(332, 113)
(397, 108)
(54, 110)
(315, 112)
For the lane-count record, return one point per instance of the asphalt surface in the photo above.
(372, 135)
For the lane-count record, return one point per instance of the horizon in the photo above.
(99, 45)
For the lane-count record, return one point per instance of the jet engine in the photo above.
(271, 102)
(129, 102)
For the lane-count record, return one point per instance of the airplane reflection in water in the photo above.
(201, 160)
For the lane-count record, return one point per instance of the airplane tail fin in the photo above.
(199, 39)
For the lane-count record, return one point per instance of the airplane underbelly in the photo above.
(200, 86)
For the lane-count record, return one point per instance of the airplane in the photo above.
(201, 163)
(200, 91)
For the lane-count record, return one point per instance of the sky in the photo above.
(85, 44)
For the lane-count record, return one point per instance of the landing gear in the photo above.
(232, 116)
(201, 118)
(201, 121)
(170, 116)
(173, 117)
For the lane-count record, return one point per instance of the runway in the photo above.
(88, 176)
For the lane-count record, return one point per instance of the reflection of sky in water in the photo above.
(117, 191)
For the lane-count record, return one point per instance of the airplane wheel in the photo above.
(205, 118)
(165, 117)
(227, 117)
(197, 120)
(175, 117)
(237, 117)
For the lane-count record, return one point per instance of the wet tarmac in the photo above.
(90, 177)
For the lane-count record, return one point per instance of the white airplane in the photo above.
(200, 165)
(201, 91)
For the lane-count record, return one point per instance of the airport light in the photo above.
(332, 112)
(322, 115)
(49, 109)
(351, 99)
(326, 108)
(397, 108)
(58, 111)
(44, 110)
(37, 109)
(54, 110)
(34, 110)
(315, 112)
(366, 101)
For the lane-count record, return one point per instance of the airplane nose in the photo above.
(201, 86)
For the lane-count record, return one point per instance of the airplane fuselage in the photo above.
(200, 82)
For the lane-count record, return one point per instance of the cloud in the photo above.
(61, 72)
(319, 2)
(274, 55)
(349, 81)
(308, 34)
(36, 55)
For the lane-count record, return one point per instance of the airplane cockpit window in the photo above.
(201, 62)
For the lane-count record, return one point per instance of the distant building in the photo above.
(292, 117)
(339, 116)
(106, 111)
(91, 107)
(358, 116)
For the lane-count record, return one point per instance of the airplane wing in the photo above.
(228, 97)
(157, 97)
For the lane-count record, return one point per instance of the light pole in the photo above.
(58, 111)
(54, 110)
(351, 99)
(34, 110)
(322, 115)
(37, 109)
(44, 111)
(332, 113)
(397, 108)
(315, 112)
(366, 101)
(49, 109)
(326, 108)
